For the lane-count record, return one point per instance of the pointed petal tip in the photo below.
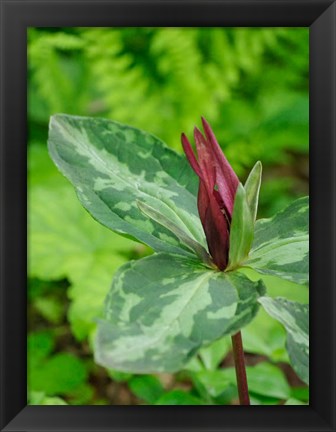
(208, 131)
(205, 123)
(198, 133)
(188, 150)
(185, 142)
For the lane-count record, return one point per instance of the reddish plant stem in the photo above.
(238, 354)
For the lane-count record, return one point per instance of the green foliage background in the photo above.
(252, 86)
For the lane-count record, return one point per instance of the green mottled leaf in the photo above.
(112, 166)
(277, 287)
(179, 397)
(241, 232)
(281, 244)
(264, 335)
(194, 246)
(295, 318)
(163, 308)
(252, 188)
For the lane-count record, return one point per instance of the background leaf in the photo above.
(293, 401)
(263, 379)
(178, 397)
(66, 243)
(213, 354)
(39, 398)
(147, 388)
(59, 374)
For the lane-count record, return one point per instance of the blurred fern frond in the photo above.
(56, 80)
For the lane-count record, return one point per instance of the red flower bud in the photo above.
(217, 188)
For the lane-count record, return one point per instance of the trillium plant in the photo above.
(201, 223)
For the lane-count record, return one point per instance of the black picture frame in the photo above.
(16, 16)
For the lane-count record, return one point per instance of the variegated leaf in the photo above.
(163, 308)
(281, 244)
(241, 233)
(158, 217)
(112, 166)
(295, 318)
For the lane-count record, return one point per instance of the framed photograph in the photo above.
(167, 217)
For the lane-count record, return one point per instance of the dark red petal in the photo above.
(217, 234)
(205, 158)
(190, 155)
(215, 226)
(202, 201)
(226, 179)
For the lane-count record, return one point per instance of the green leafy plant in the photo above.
(162, 309)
